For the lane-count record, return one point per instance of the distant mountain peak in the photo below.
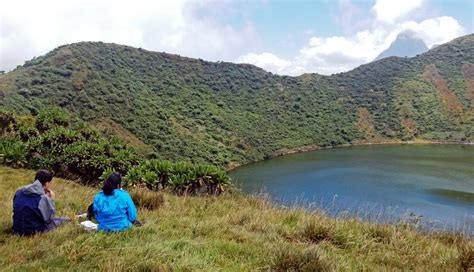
(407, 44)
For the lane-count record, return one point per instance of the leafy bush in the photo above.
(181, 177)
(12, 152)
(52, 117)
(222, 113)
(84, 154)
(26, 128)
(48, 142)
(6, 121)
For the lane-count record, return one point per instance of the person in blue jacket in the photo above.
(113, 207)
(34, 208)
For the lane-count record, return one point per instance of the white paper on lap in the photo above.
(89, 225)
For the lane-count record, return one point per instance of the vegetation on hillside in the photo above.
(229, 233)
(224, 113)
(51, 141)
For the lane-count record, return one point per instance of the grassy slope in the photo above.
(235, 233)
(225, 113)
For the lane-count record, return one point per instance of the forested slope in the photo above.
(224, 113)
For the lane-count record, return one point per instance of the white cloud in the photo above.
(190, 28)
(436, 30)
(328, 55)
(266, 61)
(391, 10)
(32, 28)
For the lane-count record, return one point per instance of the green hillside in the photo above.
(232, 232)
(227, 113)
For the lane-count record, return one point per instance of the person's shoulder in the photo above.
(121, 192)
(17, 194)
(99, 195)
(20, 190)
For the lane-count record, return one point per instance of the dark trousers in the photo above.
(56, 222)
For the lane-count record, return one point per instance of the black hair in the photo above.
(44, 176)
(111, 183)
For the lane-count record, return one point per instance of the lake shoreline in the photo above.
(310, 148)
(427, 183)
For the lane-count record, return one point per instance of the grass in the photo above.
(232, 232)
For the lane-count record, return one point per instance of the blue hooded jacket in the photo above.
(32, 209)
(114, 212)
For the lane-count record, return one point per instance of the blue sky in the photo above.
(285, 25)
(284, 37)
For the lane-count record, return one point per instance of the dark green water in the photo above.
(384, 182)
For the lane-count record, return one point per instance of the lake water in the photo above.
(383, 182)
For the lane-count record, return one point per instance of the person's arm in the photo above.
(95, 205)
(47, 208)
(90, 211)
(131, 210)
(50, 193)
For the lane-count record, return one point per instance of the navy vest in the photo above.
(27, 218)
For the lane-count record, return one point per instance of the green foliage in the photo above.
(47, 142)
(12, 152)
(182, 177)
(6, 122)
(83, 153)
(222, 113)
(52, 118)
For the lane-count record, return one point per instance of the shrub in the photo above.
(25, 128)
(6, 121)
(52, 117)
(82, 153)
(181, 177)
(46, 142)
(13, 152)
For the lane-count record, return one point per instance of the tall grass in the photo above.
(232, 232)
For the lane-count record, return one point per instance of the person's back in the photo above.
(113, 208)
(114, 212)
(31, 209)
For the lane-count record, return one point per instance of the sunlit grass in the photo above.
(231, 232)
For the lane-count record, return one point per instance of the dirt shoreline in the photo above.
(310, 148)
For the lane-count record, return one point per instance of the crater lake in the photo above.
(429, 185)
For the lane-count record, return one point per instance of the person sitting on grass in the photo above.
(113, 207)
(33, 207)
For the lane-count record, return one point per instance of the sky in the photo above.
(284, 37)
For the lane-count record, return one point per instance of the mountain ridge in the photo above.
(407, 44)
(227, 113)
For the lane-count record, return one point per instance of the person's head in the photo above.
(45, 177)
(114, 181)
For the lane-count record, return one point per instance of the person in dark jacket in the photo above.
(113, 207)
(33, 207)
